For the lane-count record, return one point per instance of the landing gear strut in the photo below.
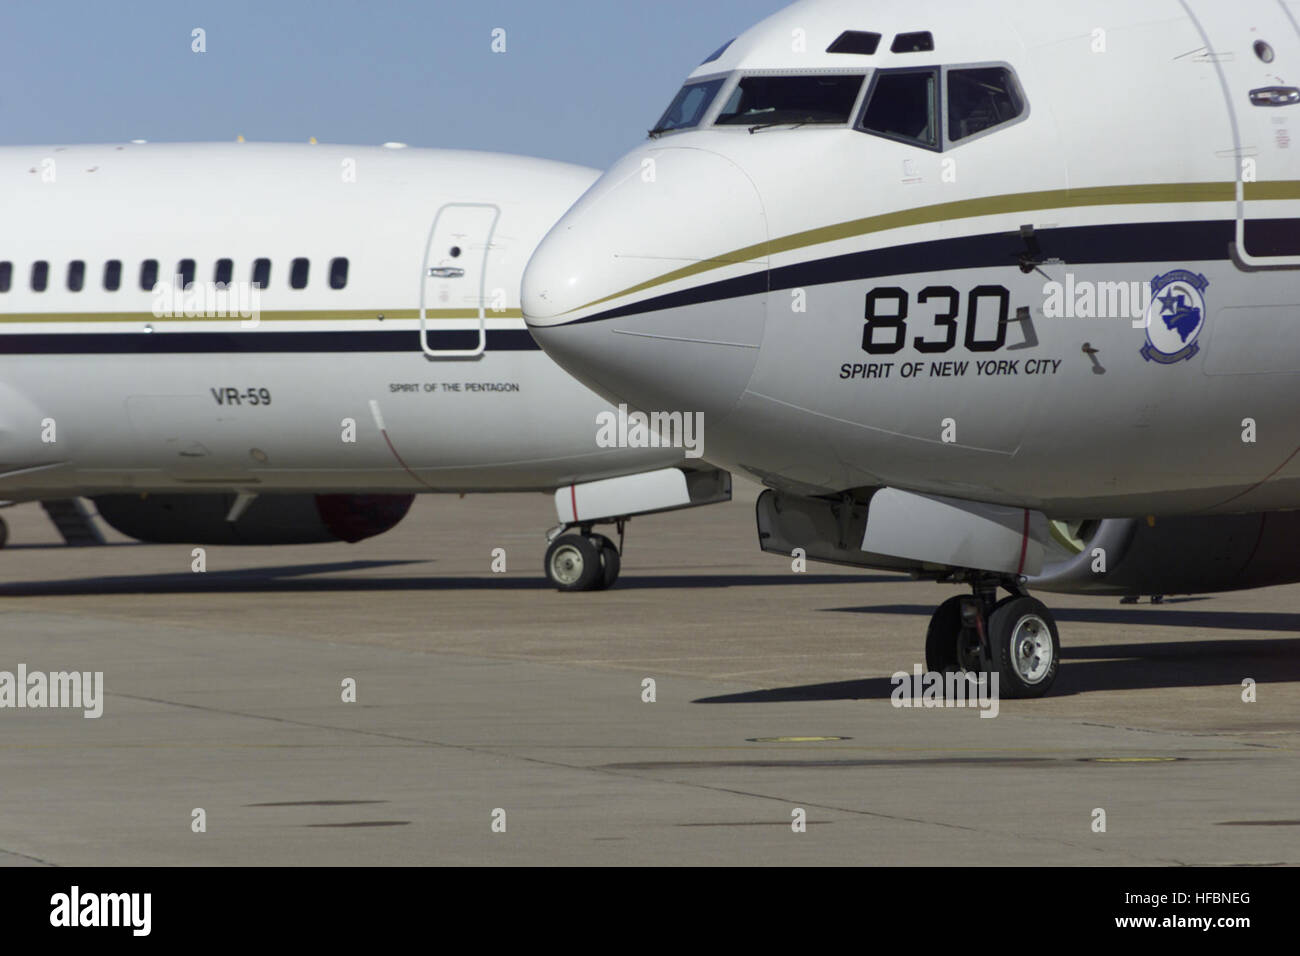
(1014, 637)
(584, 561)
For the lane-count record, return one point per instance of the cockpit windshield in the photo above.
(688, 106)
(771, 100)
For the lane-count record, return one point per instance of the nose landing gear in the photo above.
(584, 561)
(1015, 637)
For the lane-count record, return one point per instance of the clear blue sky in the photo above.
(581, 80)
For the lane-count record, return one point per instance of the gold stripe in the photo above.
(1274, 190)
(969, 208)
(283, 315)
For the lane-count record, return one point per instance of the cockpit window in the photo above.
(771, 100)
(718, 52)
(904, 105)
(918, 42)
(861, 42)
(980, 99)
(907, 104)
(688, 106)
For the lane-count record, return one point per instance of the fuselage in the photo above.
(111, 381)
(1073, 287)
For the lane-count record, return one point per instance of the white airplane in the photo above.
(1002, 293)
(344, 333)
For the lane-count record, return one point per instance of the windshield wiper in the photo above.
(790, 123)
(659, 131)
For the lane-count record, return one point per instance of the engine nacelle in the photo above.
(1185, 555)
(270, 519)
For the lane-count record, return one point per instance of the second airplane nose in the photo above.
(652, 288)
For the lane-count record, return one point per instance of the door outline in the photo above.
(482, 284)
(1237, 87)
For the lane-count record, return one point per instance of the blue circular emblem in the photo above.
(1175, 316)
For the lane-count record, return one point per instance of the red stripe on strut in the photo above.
(1024, 543)
(573, 497)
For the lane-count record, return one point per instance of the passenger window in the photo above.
(76, 275)
(6, 275)
(980, 99)
(903, 105)
(338, 273)
(113, 275)
(298, 274)
(221, 275)
(40, 275)
(148, 274)
(185, 269)
(261, 273)
(772, 100)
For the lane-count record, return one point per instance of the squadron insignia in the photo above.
(1175, 316)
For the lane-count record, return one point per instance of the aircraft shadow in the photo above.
(1098, 668)
(299, 578)
(1141, 615)
(63, 546)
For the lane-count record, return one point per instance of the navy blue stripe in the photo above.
(253, 341)
(1272, 237)
(1199, 241)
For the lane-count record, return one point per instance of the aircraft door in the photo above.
(454, 275)
(1256, 50)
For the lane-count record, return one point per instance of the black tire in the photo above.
(1022, 633)
(610, 562)
(4, 532)
(573, 563)
(941, 637)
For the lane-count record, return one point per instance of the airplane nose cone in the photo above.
(652, 288)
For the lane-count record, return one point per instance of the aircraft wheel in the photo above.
(1025, 645)
(610, 562)
(943, 636)
(573, 563)
(4, 532)
(951, 647)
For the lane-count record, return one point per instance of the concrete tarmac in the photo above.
(478, 693)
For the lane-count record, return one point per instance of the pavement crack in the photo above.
(27, 856)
